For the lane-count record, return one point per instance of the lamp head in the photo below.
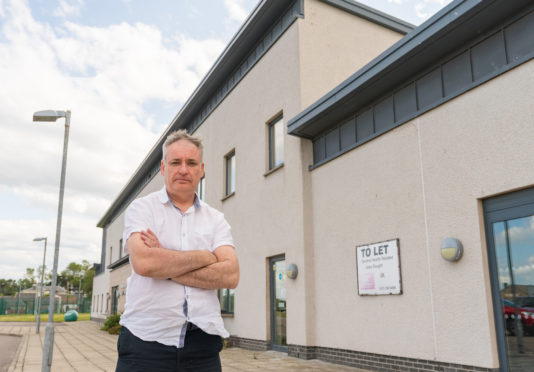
(38, 239)
(48, 115)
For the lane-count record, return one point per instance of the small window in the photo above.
(230, 173)
(110, 255)
(120, 248)
(226, 298)
(276, 142)
(201, 187)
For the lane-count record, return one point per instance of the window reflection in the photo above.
(514, 250)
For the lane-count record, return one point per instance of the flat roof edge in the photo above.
(372, 15)
(413, 41)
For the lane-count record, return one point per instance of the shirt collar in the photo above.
(164, 198)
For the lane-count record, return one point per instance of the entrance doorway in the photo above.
(509, 223)
(277, 276)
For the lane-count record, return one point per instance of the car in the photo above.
(525, 302)
(511, 310)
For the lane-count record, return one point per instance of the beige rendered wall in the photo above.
(266, 211)
(118, 277)
(271, 215)
(334, 44)
(422, 182)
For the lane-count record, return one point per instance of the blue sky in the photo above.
(124, 68)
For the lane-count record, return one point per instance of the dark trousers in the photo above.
(200, 353)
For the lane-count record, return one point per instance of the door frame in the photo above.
(272, 295)
(510, 206)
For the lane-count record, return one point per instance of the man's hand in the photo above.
(150, 239)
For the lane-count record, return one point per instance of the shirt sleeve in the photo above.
(222, 234)
(137, 218)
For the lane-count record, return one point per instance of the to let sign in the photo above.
(379, 268)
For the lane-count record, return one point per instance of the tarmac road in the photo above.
(8, 346)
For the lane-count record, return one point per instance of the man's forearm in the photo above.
(214, 276)
(161, 263)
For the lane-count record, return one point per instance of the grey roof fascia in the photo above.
(261, 18)
(390, 60)
(372, 15)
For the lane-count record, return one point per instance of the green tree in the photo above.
(87, 282)
(8, 287)
(47, 274)
(24, 283)
(30, 275)
(78, 275)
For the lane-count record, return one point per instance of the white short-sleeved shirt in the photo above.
(159, 309)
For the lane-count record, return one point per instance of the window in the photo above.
(226, 298)
(276, 142)
(230, 173)
(201, 187)
(110, 255)
(120, 248)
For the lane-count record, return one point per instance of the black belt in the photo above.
(191, 327)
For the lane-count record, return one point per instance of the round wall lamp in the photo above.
(292, 271)
(451, 249)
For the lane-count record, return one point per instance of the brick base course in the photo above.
(248, 343)
(368, 361)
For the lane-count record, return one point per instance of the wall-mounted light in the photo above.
(451, 249)
(292, 271)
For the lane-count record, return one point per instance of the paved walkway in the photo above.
(82, 346)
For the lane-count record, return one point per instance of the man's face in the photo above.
(182, 168)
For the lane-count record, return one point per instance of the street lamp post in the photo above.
(48, 349)
(42, 283)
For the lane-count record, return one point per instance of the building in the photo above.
(381, 196)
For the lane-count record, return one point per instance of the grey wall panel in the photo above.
(429, 89)
(488, 56)
(456, 74)
(348, 133)
(405, 102)
(364, 125)
(384, 115)
(519, 38)
(332, 142)
(319, 150)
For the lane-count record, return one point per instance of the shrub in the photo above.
(112, 324)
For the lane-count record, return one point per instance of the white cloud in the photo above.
(68, 8)
(424, 9)
(107, 76)
(236, 11)
(396, 1)
(518, 234)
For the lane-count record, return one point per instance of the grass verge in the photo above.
(58, 318)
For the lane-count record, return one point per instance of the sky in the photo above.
(124, 68)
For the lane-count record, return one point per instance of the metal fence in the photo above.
(26, 305)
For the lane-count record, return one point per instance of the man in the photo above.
(181, 251)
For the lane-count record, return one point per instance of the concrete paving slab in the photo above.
(82, 347)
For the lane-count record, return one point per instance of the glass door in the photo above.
(114, 299)
(278, 303)
(510, 233)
